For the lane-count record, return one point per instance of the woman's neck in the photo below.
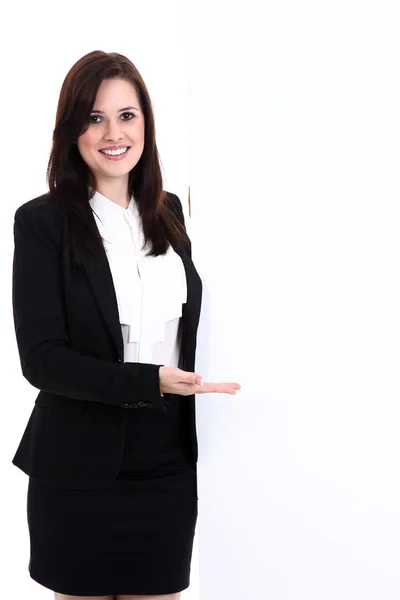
(115, 190)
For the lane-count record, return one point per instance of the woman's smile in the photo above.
(118, 154)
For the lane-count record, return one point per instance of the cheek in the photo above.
(136, 132)
(88, 139)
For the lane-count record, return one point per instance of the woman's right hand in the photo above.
(185, 383)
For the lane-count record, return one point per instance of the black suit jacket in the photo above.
(71, 348)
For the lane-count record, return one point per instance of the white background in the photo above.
(295, 138)
(293, 135)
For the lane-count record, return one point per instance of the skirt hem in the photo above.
(112, 592)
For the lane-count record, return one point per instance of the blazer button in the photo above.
(124, 405)
(141, 403)
(149, 404)
(133, 405)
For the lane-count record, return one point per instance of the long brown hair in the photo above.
(71, 182)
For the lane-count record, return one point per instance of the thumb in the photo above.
(197, 379)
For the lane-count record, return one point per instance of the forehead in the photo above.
(113, 92)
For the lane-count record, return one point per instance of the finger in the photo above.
(193, 378)
(219, 388)
(209, 387)
(230, 385)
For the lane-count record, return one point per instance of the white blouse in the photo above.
(150, 290)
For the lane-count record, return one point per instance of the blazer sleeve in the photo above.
(47, 361)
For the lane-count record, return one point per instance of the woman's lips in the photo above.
(115, 156)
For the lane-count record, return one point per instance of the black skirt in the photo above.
(135, 537)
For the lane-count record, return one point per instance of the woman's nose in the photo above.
(113, 131)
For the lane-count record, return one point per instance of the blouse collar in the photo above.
(107, 210)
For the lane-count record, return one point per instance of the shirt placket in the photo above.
(143, 351)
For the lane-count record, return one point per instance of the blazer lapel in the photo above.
(101, 281)
(100, 278)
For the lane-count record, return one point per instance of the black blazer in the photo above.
(71, 348)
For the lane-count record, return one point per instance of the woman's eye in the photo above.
(129, 116)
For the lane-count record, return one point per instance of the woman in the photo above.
(106, 304)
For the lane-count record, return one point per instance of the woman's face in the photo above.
(116, 122)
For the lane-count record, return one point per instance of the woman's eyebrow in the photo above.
(101, 112)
